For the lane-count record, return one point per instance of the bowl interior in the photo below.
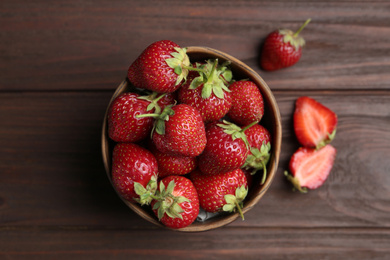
(271, 120)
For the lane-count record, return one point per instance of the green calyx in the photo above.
(235, 131)
(235, 202)
(167, 203)
(153, 98)
(327, 140)
(146, 194)
(179, 63)
(258, 160)
(293, 37)
(295, 182)
(214, 78)
(159, 123)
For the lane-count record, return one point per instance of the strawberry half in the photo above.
(282, 48)
(161, 67)
(314, 123)
(221, 192)
(176, 202)
(309, 168)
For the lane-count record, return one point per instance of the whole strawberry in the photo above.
(259, 139)
(161, 67)
(207, 91)
(134, 165)
(176, 202)
(314, 124)
(226, 149)
(123, 125)
(247, 103)
(309, 167)
(169, 164)
(282, 48)
(221, 192)
(179, 130)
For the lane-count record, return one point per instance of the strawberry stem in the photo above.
(301, 28)
(264, 172)
(154, 115)
(249, 126)
(239, 209)
(213, 69)
(193, 68)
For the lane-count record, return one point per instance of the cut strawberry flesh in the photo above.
(313, 122)
(311, 167)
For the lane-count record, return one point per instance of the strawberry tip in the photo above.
(295, 182)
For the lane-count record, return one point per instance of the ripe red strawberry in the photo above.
(226, 148)
(206, 91)
(314, 124)
(247, 102)
(179, 130)
(169, 164)
(176, 204)
(282, 48)
(161, 67)
(123, 125)
(221, 192)
(310, 167)
(132, 164)
(259, 139)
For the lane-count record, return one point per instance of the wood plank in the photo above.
(225, 243)
(52, 171)
(85, 45)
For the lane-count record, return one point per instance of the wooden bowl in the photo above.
(271, 120)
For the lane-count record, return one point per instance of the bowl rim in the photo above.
(271, 166)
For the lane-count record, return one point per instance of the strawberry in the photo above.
(282, 48)
(176, 203)
(134, 165)
(123, 126)
(259, 140)
(226, 148)
(169, 164)
(161, 67)
(221, 192)
(179, 130)
(247, 102)
(206, 90)
(310, 167)
(314, 124)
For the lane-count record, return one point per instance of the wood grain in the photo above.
(60, 63)
(224, 243)
(50, 155)
(75, 45)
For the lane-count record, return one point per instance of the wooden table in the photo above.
(60, 62)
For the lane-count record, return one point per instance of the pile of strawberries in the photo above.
(187, 137)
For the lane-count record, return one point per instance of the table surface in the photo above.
(60, 63)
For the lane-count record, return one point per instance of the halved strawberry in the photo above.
(314, 123)
(310, 167)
